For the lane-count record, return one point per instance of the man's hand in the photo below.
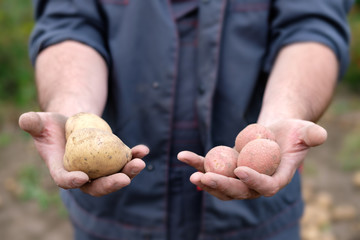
(295, 138)
(48, 132)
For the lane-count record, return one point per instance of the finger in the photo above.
(231, 187)
(31, 122)
(263, 184)
(314, 135)
(133, 168)
(195, 178)
(63, 178)
(192, 159)
(69, 180)
(106, 185)
(140, 151)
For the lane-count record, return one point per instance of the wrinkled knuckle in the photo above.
(272, 191)
(107, 184)
(221, 188)
(108, 187)
(251, 182)
(239, 197)
(58, 181)
(248, 194)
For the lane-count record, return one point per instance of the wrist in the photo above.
(68, 106)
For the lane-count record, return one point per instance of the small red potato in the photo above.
(262, 155)
(252, 132)
(221, 160)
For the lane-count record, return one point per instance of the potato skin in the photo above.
(85, 120)
(252, 132)
(262, 155)
(96, 152)
(221, 160)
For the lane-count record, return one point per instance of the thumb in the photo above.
(314, 135)
(32, 123)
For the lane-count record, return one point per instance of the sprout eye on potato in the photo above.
(91, 147)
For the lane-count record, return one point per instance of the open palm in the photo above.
(48, 132)
(295, 138)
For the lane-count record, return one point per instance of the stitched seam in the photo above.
(172, 116)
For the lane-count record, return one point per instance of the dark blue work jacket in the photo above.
(236, 44)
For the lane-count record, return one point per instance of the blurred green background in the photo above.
(25, 183)
(16, 74)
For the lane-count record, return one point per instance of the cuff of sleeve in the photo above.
(341, 50)
(47, 40)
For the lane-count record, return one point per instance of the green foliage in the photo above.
(32, 189)
(16, 73)
(352, 77)
(5, 139)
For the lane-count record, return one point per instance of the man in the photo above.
(182, 77)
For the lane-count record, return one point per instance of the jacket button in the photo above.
(201, 89)
(150, 167)
(155, 85)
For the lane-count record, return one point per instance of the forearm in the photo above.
(71, 77)
(301, 83)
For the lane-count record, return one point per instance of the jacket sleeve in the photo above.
(60, 20)
(323, 21)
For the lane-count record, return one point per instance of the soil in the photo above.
(324, 178)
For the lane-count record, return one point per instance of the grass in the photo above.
(30, 179)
